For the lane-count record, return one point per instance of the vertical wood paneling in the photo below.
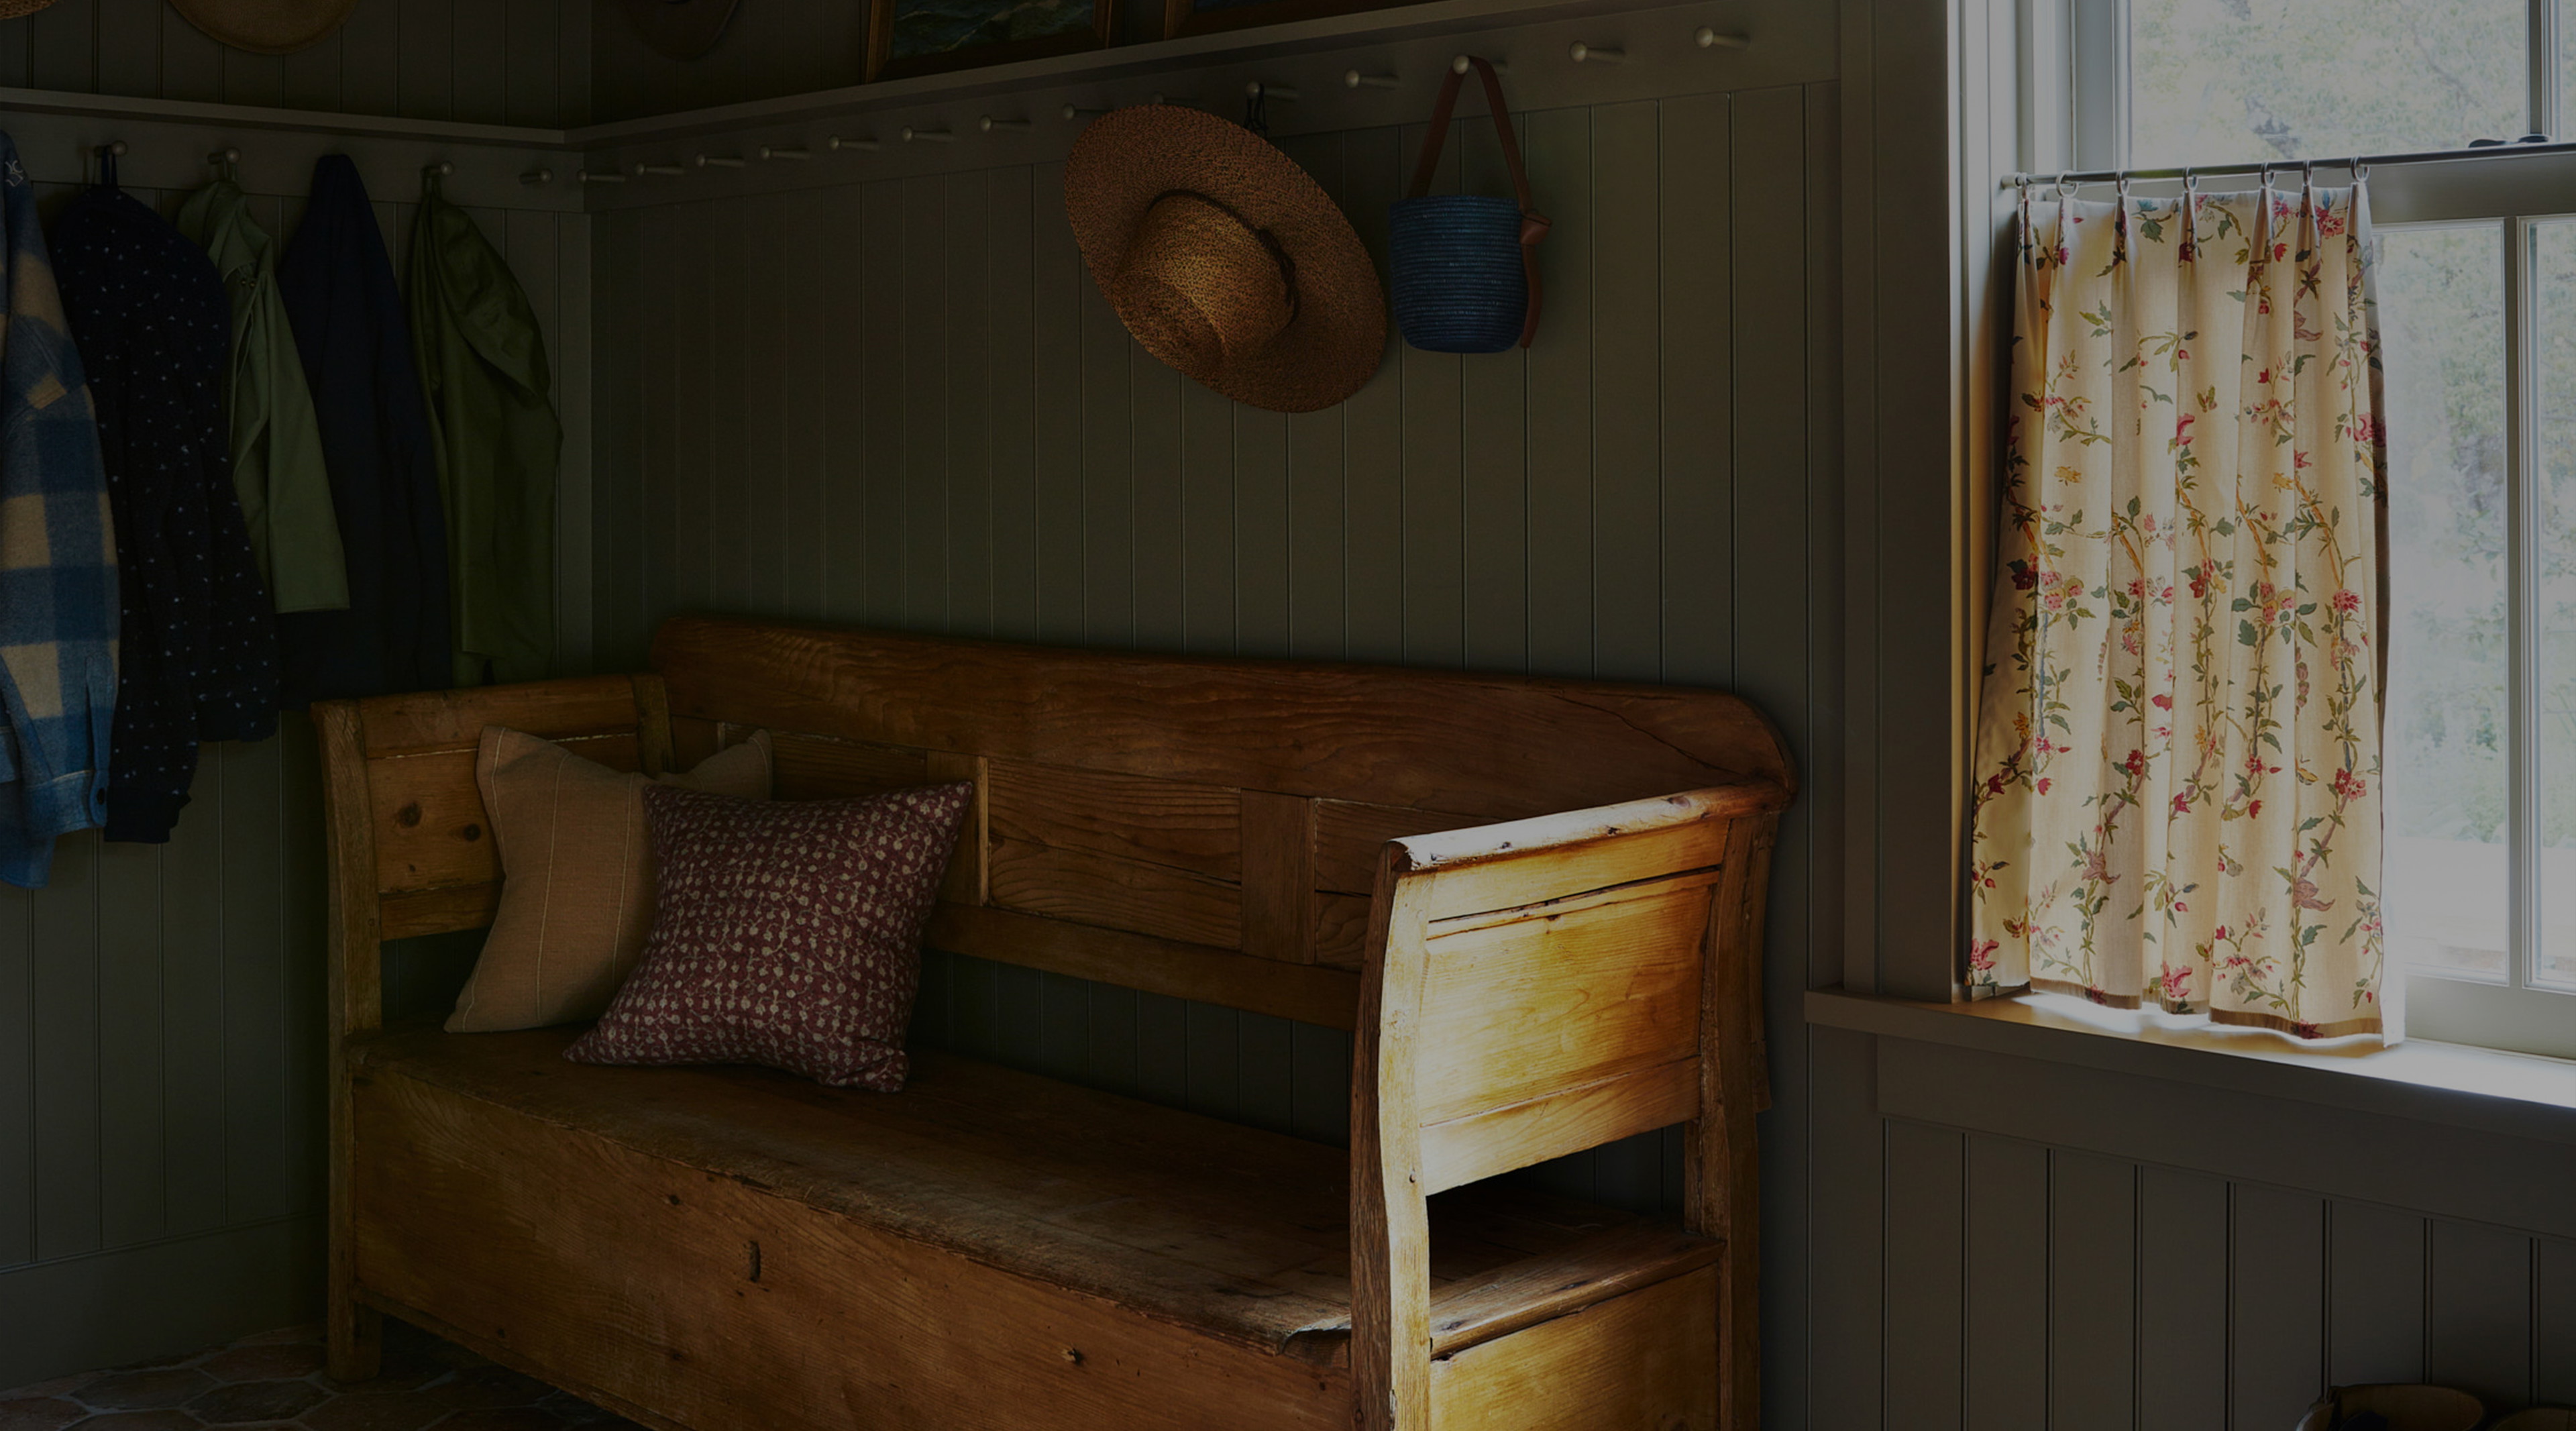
(847, 370)
(17, 39)
(130, 1004)
(425, 62)
(1441, 601)
(64, 929)
(2375, 1300)
(1696, 378)
(370, 42)
(66, 45)
(1057, 336)
(658, 416)
(1316, 519)
(805, 399)
(1108, 477)
(1261, 568)
(2092, 1291)
(1845, 1371)
(1377, 577)
(2182, 1301)
(1627, 360)
(254, 79)
(1013, 399)
(192, 1115)
(2480, 1304)
(1561, 627)
(18, 1082)
(1215, 1059)
(969, 476)
(2007, 1285)
(1161, 552)
(1926, 1277)
(2276, 1255)
(129, 46)
(259, 1184)
(2553, 1333)
(480, 60)
(925, 338)
(568, 238)
(717, 483)
(764, 573)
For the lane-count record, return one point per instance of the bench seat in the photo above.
(1232, 1232)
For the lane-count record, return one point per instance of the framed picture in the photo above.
(919, 37)
(1200, 17)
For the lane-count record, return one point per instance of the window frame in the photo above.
(2086, 43)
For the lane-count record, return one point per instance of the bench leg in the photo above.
(357, 1338)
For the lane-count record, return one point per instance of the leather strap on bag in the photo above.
(1533, 224)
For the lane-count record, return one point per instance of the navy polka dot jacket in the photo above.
(198, 658)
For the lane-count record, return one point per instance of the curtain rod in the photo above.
(2359, 165)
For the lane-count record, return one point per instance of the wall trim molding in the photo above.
(2486, 1090)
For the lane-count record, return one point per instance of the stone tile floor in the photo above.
(275, 1382)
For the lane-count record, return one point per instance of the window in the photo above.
(2477, 304)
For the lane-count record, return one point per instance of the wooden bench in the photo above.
(735, 1248)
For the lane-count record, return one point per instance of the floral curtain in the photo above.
(2177, 762)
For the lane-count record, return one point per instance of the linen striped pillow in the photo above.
(576, 876)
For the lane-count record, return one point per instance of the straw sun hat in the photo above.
(1224, 258)
(263, 27)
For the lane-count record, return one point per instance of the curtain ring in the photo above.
(2124, 191)
(2190, 182)
(2307, 174)
(2360, 171)
(2065, 186)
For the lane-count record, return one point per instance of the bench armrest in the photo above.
(1574, 829)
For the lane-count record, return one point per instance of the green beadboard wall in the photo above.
(161, 1006)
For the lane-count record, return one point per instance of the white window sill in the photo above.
(2523, 1095)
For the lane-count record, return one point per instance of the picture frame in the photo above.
(1201, 17)
(920, 37)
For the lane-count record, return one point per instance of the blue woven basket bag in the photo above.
(1465, 266)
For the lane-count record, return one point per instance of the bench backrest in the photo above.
(1207, 829)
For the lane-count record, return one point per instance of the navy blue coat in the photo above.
(197, 651)
(349, 329)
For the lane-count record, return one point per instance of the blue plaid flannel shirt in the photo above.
(58, 596)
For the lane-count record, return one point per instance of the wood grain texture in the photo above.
(1515, 1010)
(1236, 1233)
(1278, 876)
(1139, 961)
(1390, 1266)
(356, 1007)
(1433, 739)
(648, 1293)
(1642, 1362)
(1479, 1145)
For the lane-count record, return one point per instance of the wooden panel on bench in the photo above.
(1434, 740)
(1158, 857)
(714, 1304)
(1643, 1362)
(1016, 1194)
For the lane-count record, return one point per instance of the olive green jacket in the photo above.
(278, 472)
(483, 369)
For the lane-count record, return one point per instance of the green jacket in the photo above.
(483, 369)
(278, 472)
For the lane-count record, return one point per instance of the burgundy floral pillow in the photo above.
(785, 933)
